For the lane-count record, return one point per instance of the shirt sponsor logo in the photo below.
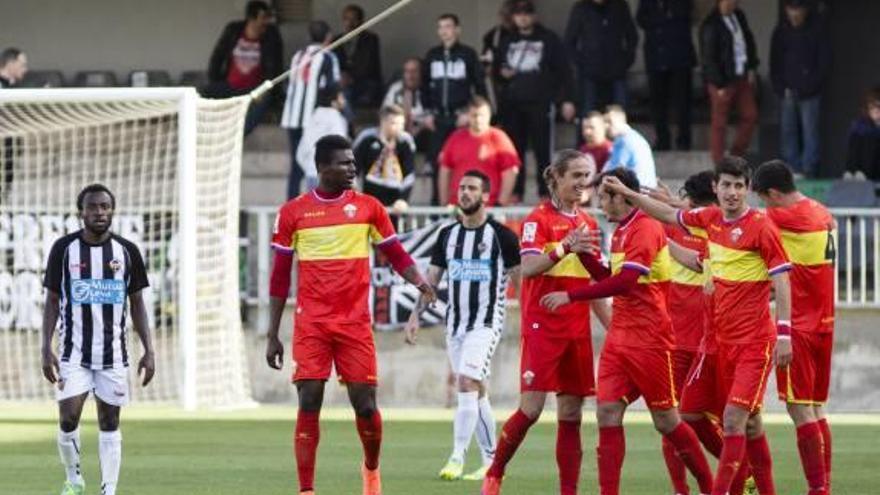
(529, 231)
(97, 292)
(470, 270)
(311, 214)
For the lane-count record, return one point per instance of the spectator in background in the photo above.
(800, 61)
(360, 62)
(385, 158)
(601, 38)
(247, 53)
(326, 120)
(479, 147)
(594, 131)
(536, 72)
(669, 61)
(863, 154)
(492, 41)
(452, 75)
(630, 149)
(407, 93)
(730, 60)
(13, 67)
(311, 71)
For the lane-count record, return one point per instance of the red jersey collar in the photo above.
(324, 198)
(628, 219)
(737, 219)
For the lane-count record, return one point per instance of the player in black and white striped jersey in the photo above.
(89, 275)
(480, 257)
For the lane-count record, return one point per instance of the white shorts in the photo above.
(470, 353)
(111, 386)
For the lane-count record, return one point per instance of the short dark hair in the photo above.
(91, 189)
(9, 55)
(357, 9)
(326, 96)
(484, 179)
(477, 101)
(325, 147)
(698, 187)
(626, 176)
(254, 7)
(452, 17)
(318, 31)
(775, 174)
(735, 166)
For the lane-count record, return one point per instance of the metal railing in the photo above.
(858, 252)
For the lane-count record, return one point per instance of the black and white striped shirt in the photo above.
(477, 262)
(93, 283)
(312, 70)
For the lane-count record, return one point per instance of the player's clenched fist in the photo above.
(275, 353)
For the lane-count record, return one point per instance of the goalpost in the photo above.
(173, 161)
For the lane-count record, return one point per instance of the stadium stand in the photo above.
(95, 79)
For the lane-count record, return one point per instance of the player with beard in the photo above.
(557, 351)
(330, 230)
(480, 257)
(89, 276)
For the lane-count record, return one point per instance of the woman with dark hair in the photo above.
(863, 153)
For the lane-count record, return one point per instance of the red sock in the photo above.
(677, 472)
(762, 464)
(738, 486)
(710, 435)
(809, 442)
(688, 447)
(609, 455)
(826, 440)
(370, 431)
(568, 456)
(305, 447)
(512, 434)
(729, 463)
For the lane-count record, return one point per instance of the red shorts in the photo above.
(682, 361)
(560, 365)
(625, 373)
(703, 391)
(349, 347)
(743, 369)
(806, 379)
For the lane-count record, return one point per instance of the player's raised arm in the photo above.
(657, 209)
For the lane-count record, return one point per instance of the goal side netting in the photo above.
(173, 161)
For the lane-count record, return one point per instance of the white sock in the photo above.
(465, 423)
(486, 431)
(110, 453)
(68, 450)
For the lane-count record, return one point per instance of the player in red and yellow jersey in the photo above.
(330, 231)
(636, 359)
(807, 230)
(746, 258)
(557, 354)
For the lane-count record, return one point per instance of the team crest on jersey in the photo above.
(529, 231)
(735, 234)
(115, 265)
(482, 247)
(350, 210)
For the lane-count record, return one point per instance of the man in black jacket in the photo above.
(360, 62)
(452, 75)
(669, 60)
(601, 38)
(533, 63)
(247, 53)
(800, 60)
(730, 59)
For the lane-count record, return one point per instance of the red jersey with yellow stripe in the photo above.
(331, 238)
(743, 253)
(687, 302)
(640, 317)
(807, 230)
(542, 231)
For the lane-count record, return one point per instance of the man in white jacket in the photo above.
(326, 119)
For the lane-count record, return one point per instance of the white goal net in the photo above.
(173, 162)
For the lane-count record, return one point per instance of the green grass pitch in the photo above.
(172, 453)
